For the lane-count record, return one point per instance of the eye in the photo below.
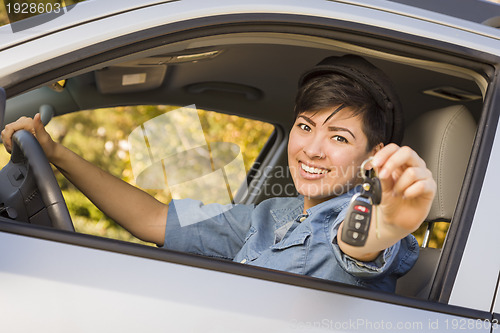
(304, 127)
(340, 139)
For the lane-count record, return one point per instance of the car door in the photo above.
(62, 280)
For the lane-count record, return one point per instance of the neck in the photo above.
(311, 202)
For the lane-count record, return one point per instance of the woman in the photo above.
(346, 111)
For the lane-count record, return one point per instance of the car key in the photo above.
(358, 217)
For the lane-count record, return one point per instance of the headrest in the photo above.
(373, 79)
(443, 138)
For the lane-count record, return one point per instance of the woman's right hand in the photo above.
(36, 127)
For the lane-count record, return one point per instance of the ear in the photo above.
(372, 153)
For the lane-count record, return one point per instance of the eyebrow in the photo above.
(330, 128)
(340, 129)
(308, 120)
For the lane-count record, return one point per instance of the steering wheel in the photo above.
(27, 150)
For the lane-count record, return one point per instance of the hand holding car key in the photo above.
(357, 220)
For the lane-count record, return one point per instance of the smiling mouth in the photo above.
(313, 170)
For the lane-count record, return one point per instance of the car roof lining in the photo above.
(263, 51)
(307, 41)
(336, 46)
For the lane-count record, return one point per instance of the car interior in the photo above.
(255, 74)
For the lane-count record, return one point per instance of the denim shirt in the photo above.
(276, 234)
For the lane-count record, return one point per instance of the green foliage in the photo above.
(4, 19)
(438, 234)
(100, 136)
(4, 156)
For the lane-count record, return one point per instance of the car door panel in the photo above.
(61, 285)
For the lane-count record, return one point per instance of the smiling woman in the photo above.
(327, 145)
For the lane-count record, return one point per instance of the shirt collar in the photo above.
(336, 204)
(289, 212)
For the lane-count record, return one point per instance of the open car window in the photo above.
(176, 152)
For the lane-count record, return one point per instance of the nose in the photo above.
(313, 148)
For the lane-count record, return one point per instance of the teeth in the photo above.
(313, 170)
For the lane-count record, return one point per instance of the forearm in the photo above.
(135, 210)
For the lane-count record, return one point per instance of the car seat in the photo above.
(443, 138)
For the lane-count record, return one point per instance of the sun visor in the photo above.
(127, 79)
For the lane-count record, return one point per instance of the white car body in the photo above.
(55, 281)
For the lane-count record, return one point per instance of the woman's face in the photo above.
(324, 155)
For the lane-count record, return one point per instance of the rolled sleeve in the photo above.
(212, 230)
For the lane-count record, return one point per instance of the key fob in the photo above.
(375, 190)
(357, 221)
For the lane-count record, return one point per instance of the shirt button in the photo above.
(303, 218)
(243, 261)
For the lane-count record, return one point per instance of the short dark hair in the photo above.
(333, 90)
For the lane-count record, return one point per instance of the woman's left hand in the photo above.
(408, 187)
